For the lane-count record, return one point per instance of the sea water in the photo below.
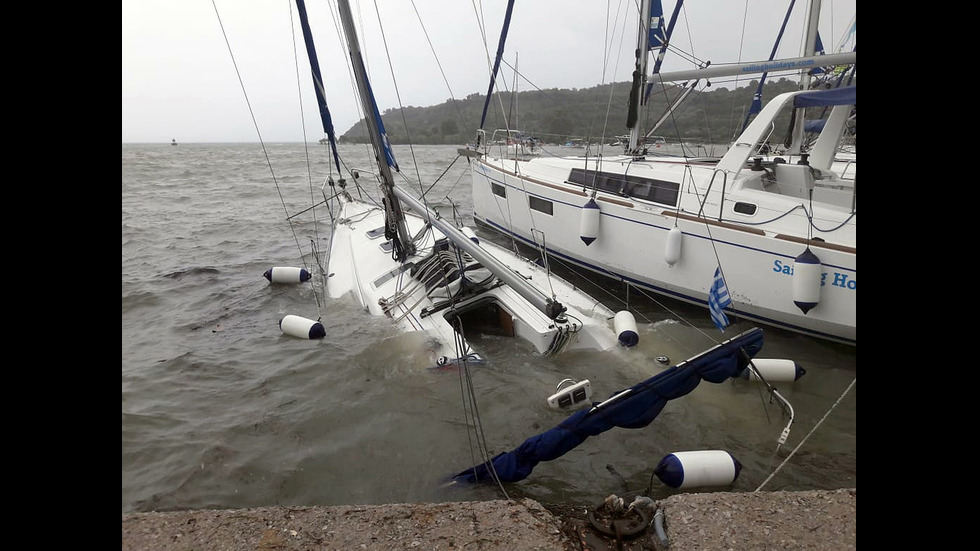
(220, 409)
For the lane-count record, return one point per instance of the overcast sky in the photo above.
(200, 70)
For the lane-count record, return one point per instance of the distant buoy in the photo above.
(806, 280)
(625, 326)
(286, 274)
(590, 222)
(468, 232)
(774, 371)
(698, 469)
(296, 326)
(672, 252)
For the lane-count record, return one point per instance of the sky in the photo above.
(207, 71)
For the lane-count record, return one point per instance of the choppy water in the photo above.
(221, 410)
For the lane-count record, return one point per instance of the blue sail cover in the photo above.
(632, 408)
(824, 98)
(385, 144)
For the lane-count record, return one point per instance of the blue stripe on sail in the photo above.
(496, 62)
(657, 38)
(385, 144)
(818, 50)
(325, 117)
(718, 299)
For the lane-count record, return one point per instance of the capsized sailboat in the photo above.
(400, 259)
(780, 235)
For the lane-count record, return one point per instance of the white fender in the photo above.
(698, 469)
(625, 326)
(468, 232)
(806, 280)
(296, 326)
(672, 252)
(286, 274)
(589, 225)
(774, 370)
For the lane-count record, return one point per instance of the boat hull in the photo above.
(633, 236)
(362, 267)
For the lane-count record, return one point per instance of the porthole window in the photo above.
(648, 189)
(744, 208)
(498, 190)
(540, 204)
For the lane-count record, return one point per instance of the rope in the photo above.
(469, 398)
(822, 419)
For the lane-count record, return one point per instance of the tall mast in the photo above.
(639, 79)
(402, 241)
(809, 49)
(392, 194)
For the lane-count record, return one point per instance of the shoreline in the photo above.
(804, 520)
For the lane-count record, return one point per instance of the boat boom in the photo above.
(549, 306)
(758, 67)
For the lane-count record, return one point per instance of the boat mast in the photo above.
(759, 67)
(393, 195)
(401, 239)
(809, 49)
(639, 80)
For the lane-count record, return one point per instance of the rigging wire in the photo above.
(815, 427)
(262, 144)
(470, 408)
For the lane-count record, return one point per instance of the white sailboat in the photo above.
(780, 235)
(400, 260)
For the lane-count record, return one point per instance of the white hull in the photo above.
(756, 251)
(360, 266)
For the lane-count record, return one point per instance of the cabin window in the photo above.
(498, 190)
(744, 208)
(648, 189)
(540, 204)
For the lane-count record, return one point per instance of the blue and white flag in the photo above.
(718, 299)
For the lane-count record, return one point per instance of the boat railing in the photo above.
(512, 144)
(711, 183)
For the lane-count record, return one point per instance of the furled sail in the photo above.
(496, 63)
(756, 105)
(321, 98)
(632, 408)
(664, 39)
(396, 229)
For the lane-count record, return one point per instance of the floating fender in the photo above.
(296, 326)
(672, 252)
(774, 371)
(286, 274)
(468, 232)
(806, 280)
(589, 225)
(625, 326)
(698, 469)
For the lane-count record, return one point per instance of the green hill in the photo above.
(555, 115)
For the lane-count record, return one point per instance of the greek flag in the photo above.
(718, 299)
